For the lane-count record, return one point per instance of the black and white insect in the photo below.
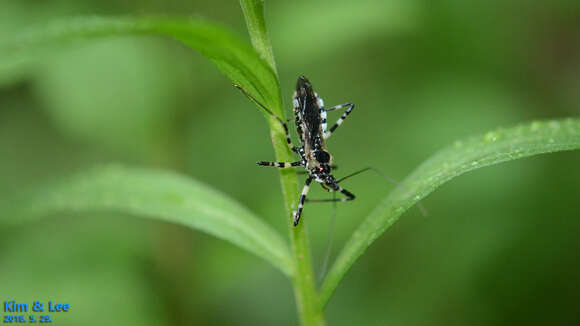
(310, 118)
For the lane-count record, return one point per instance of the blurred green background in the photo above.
(499, 247)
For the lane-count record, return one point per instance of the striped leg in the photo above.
(298, 212)
(348, 194)
(284, 125)
(349, 107)
(280, 164)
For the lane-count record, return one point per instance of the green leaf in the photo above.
(153, 194)
(234, 57)
(494, 147)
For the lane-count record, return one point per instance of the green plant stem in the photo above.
(254, 15)
(308, 305)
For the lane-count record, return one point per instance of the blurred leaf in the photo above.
(234, 57)
(134, 86)
(89, 258)
(153, 194)
(494, 147)
(321, 29)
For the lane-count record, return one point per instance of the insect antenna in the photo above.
(391, 180)
(251, 97)
(353, 174)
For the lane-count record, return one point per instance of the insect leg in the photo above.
(280, 164)
(349, 107)
(284, 125)
(391, 180)
(348, 196)
(298, 212)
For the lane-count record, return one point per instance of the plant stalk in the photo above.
(307, 302)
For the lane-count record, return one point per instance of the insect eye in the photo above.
(322, 156)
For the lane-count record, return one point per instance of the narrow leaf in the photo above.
(495, 147)
(153, 194)
(234, 57)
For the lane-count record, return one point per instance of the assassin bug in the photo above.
(312, 128)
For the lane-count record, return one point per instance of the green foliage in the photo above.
(236, 59)
(177, 199)
(494, 147)
(349, 23)
(159, 195)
